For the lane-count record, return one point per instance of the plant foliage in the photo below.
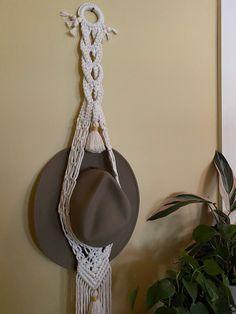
(207, 266)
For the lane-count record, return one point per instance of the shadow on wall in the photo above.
(69, 137)
(29, 225)
(160, 243)
(30, 231)
(140, 265)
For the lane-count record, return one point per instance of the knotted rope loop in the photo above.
(91, 134)
(92, 8)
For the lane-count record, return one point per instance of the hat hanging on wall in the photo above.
(87, 198)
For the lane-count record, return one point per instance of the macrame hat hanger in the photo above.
(87, 198)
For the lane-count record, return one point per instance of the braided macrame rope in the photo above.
(93, 270)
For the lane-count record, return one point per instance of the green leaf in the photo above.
(208, 289)
(233, 240)
(174, 203)
(160, 290)
(180, 298)
(165, 289)
(181, 310)
(233, 207)
(225, 280)
(173, 206)
(228, 231)
(221, 251)
(226, 291)
(191, 288)
(224, 219)
(189, 260)
(195, 248)
(198, 308)
(192, 197)
(133, 297)
(224, 171)
(200, 279)
(164, 310)
(222, 304)
(211, 290)
(212, 268)
(203, 233)
(232, 197)
(152, 297)
(233, 260)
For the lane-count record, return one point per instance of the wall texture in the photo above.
(160, 104)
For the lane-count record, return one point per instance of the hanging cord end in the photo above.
(95, 306)
(108, 30)
(94, 142)
(71, 21)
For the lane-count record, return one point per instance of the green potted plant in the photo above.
(207, 273)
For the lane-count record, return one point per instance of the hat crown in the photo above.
(99, 208)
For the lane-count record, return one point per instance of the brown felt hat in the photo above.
(101, 212)
(99, 209)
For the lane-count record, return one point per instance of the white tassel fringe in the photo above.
(94, 142)
(95, 306)
(85, 299)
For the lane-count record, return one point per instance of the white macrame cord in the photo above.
(93, 278)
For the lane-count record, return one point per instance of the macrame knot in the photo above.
(95, 305)
(71, 21)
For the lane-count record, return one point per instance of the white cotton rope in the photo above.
(93, 278)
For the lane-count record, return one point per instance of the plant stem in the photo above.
(213, 212)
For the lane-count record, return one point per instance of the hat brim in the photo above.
(49, 235)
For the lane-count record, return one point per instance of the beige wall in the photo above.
(160, 104)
